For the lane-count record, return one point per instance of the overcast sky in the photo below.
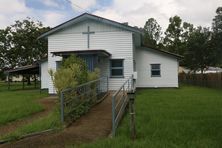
(136, 12)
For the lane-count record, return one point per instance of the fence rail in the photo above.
(120, 101)
(213, 80)
(76, 101)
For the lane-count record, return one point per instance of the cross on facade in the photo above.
(88, 35)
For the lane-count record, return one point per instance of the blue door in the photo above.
(90, 61)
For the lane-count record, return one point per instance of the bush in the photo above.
(78, 66)
(72, 72)
(94, 75)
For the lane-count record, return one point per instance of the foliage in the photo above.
(152, 33)
(2, 75)
(199, 55)
(217, 35)
(185, 117)
(72, 73)
(63, 78)
(94, 75)
(78, 65)
(19, 45)
(173, 34)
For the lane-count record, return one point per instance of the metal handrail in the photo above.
(81, 85)
(131, 77)
(116, 116)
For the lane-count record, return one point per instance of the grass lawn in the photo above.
(18, 104)
(185, 117)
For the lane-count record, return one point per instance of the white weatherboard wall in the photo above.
(168, 64)
(44, 75)
(114, 40)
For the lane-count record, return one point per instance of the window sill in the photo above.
(155, 76)
(117, 77)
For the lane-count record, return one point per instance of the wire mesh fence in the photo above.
(77, 101)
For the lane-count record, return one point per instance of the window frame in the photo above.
(116, 68)
(151, 70)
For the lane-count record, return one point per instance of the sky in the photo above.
(135, 12)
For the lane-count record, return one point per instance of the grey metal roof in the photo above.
(28, 69)
(162, 51)
(86, 16)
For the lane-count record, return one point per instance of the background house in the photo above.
(113, 47)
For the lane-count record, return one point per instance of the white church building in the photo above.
(115, 48)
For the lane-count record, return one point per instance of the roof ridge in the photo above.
(62, 25)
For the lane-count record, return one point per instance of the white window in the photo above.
(155, 70)
(116, 68)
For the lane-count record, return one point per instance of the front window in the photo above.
(116, 68)
(155, 70)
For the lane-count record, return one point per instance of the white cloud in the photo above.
(50, 3)
(19, 11)
(12, 10)
(53, 18)
(198, 12)
(82, 5)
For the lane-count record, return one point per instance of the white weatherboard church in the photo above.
(115, 48)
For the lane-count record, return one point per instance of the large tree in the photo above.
(199, 53)
(19, 45)
(217, 35)
(152, 33)
(173, 34)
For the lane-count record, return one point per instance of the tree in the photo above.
(173, 34)
(152, 33)
(199, 53)
(19, 45)
(217, 35)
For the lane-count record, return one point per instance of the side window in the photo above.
(58, 64)
(155, 70)
(116, 68)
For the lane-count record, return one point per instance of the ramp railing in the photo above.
(120, 101)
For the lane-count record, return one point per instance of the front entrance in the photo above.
(91, 61)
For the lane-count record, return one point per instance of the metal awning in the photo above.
(99, 52)
(24, 70)
(29, 69)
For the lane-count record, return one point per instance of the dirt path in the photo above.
(48, 104)
(94, 125)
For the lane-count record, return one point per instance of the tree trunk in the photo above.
(28, 80)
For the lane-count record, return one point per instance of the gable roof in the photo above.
(86, 16)
(162, 51)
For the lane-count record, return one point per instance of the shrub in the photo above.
(78, 66)
(72, 73)
(94, 75)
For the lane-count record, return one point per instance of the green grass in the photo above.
(52, 121)
(189, 117)
(18, 104)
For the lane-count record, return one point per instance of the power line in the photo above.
(77, 6)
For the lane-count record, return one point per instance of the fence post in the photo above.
(113, 117)
(62, 107)
(131, 96)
